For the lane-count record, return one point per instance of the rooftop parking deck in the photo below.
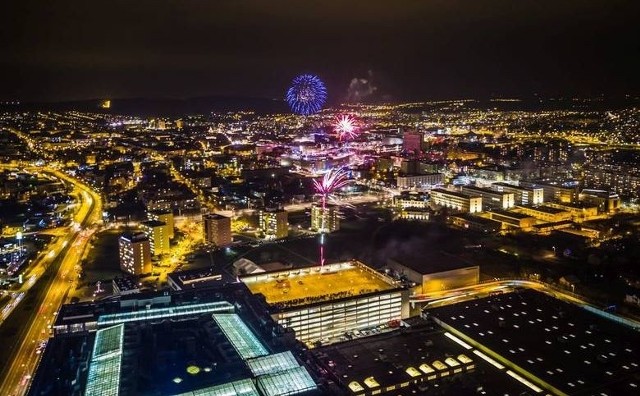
(303, 286)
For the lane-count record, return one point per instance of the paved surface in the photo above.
(61, 261)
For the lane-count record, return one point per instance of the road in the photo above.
(447, 297)
(61, 261)
(62, 236)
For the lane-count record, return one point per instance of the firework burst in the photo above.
(330, 182)
(346, 128)
(306, 95)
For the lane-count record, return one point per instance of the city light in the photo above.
(302, 201)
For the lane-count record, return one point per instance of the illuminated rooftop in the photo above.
(243, 340)
(166, 312)
(301, 286)
(243, 387)
(106, 359)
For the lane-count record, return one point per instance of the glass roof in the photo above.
(272, 363)
(288, 382)
(243, 340)
(243, 387)
(167, 312)
(104, 368)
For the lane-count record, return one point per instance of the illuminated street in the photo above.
(62, 258)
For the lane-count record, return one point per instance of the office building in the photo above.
(579, 212)
(523, 195)
(554, 192)
(440, 274)
(135, 253)
(158, 234)
(606, 201)
(165, 216)
(274, 223)
(511, 219)
(327, 220)
(420, 181)
(468, 221)
(412, 206)
(321, 303)
(411, 200)
(456, 200)
(491, 199)
(545, 213)
(217, 229)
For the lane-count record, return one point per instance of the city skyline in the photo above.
(436, 197)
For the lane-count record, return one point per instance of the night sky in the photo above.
(398, 50)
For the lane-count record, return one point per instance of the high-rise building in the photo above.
(217, 229)
(158, 234)
(274, 223)
(135, 253)
(165, 216)
(327, 220)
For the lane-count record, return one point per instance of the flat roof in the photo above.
(477, 219)
(302, 286)
(106, 359)
(512, 215)
(153, 223)
(513, 186)
(431, 262)
(272, 363)
(421, 353)
(215, 216)
(199, 276)
(243, 387)
(454, 193)
(126, 283)
(167, 312)
(243, 340)
(485, 190)
(542, 209)
(574, 350)
(288, 382)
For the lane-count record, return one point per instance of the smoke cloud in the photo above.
(361, 88)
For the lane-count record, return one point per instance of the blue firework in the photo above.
(307, 94)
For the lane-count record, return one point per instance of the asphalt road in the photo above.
(58, 268)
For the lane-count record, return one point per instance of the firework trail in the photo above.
(332, 181)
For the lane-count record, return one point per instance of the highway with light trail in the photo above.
(57, 268)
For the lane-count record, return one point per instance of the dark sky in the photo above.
(59, 49)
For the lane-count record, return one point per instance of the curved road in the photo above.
(446, 297)
(61, 276)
